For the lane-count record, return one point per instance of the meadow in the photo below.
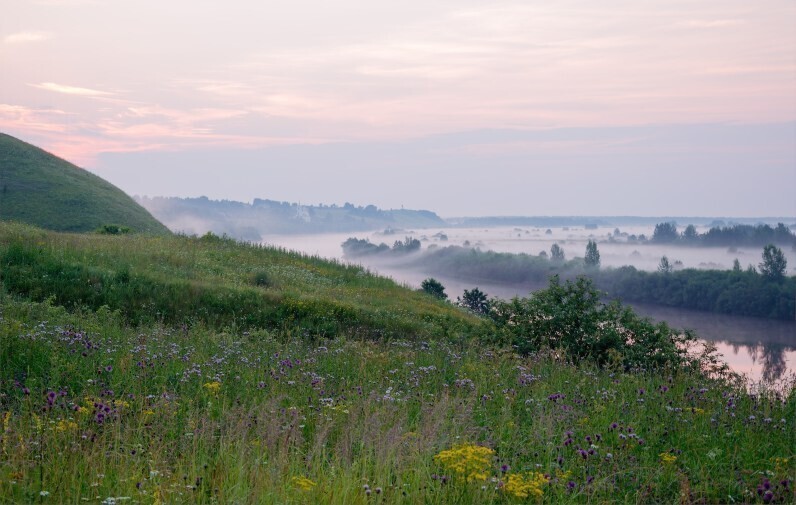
(399, 398)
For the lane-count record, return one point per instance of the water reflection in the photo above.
(760, 348)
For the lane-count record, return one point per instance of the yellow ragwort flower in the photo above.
(213, 387)
(525, 485)
(468, 460)
(303, 483)
(65, 425)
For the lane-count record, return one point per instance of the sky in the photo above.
(464, 107)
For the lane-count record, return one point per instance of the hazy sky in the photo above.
(459, 106)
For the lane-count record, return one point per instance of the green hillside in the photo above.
(39, 188)
(216, 282)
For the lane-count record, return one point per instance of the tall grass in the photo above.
(93, 409)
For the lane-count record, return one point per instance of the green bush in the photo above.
(572, 318)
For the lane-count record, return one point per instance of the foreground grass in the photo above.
(95, 410)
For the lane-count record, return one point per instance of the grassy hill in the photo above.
(39, 188)
(216, 282)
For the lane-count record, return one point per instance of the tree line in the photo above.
(763, 291)
(725, 236)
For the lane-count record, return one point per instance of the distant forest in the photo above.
(736, 235)
(244, 221)
(759, 292)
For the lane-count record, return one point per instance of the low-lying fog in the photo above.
(615, 248)
(756, 347)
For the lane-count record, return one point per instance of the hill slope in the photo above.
(216, 282)
(39, 188)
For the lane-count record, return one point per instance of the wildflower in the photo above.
(303, 483)
(469, 460)
(667, 458)
(525, 485)
(213, 387)
(65, 425)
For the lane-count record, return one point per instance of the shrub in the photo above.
(571, 317)
(261, 279)
(113, 229)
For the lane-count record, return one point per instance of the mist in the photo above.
(615, 251)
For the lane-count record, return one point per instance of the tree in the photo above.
(774, 263)
(736, 265)
(665, 232)
(592, 258)
(407, 246)
(434, 288)
(690, 234)
(474, 300)
(556, 253)
(664, 267)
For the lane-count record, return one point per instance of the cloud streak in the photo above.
(70, 90)
(27, 37)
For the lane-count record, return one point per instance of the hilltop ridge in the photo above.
(41, 189)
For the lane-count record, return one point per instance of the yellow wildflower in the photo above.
(469, 460)
(780, 464)
(668, 458)
(6, 420)
(562, 475)
(525, 485)
(65, 425)
(213, 387)
(303, 483)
